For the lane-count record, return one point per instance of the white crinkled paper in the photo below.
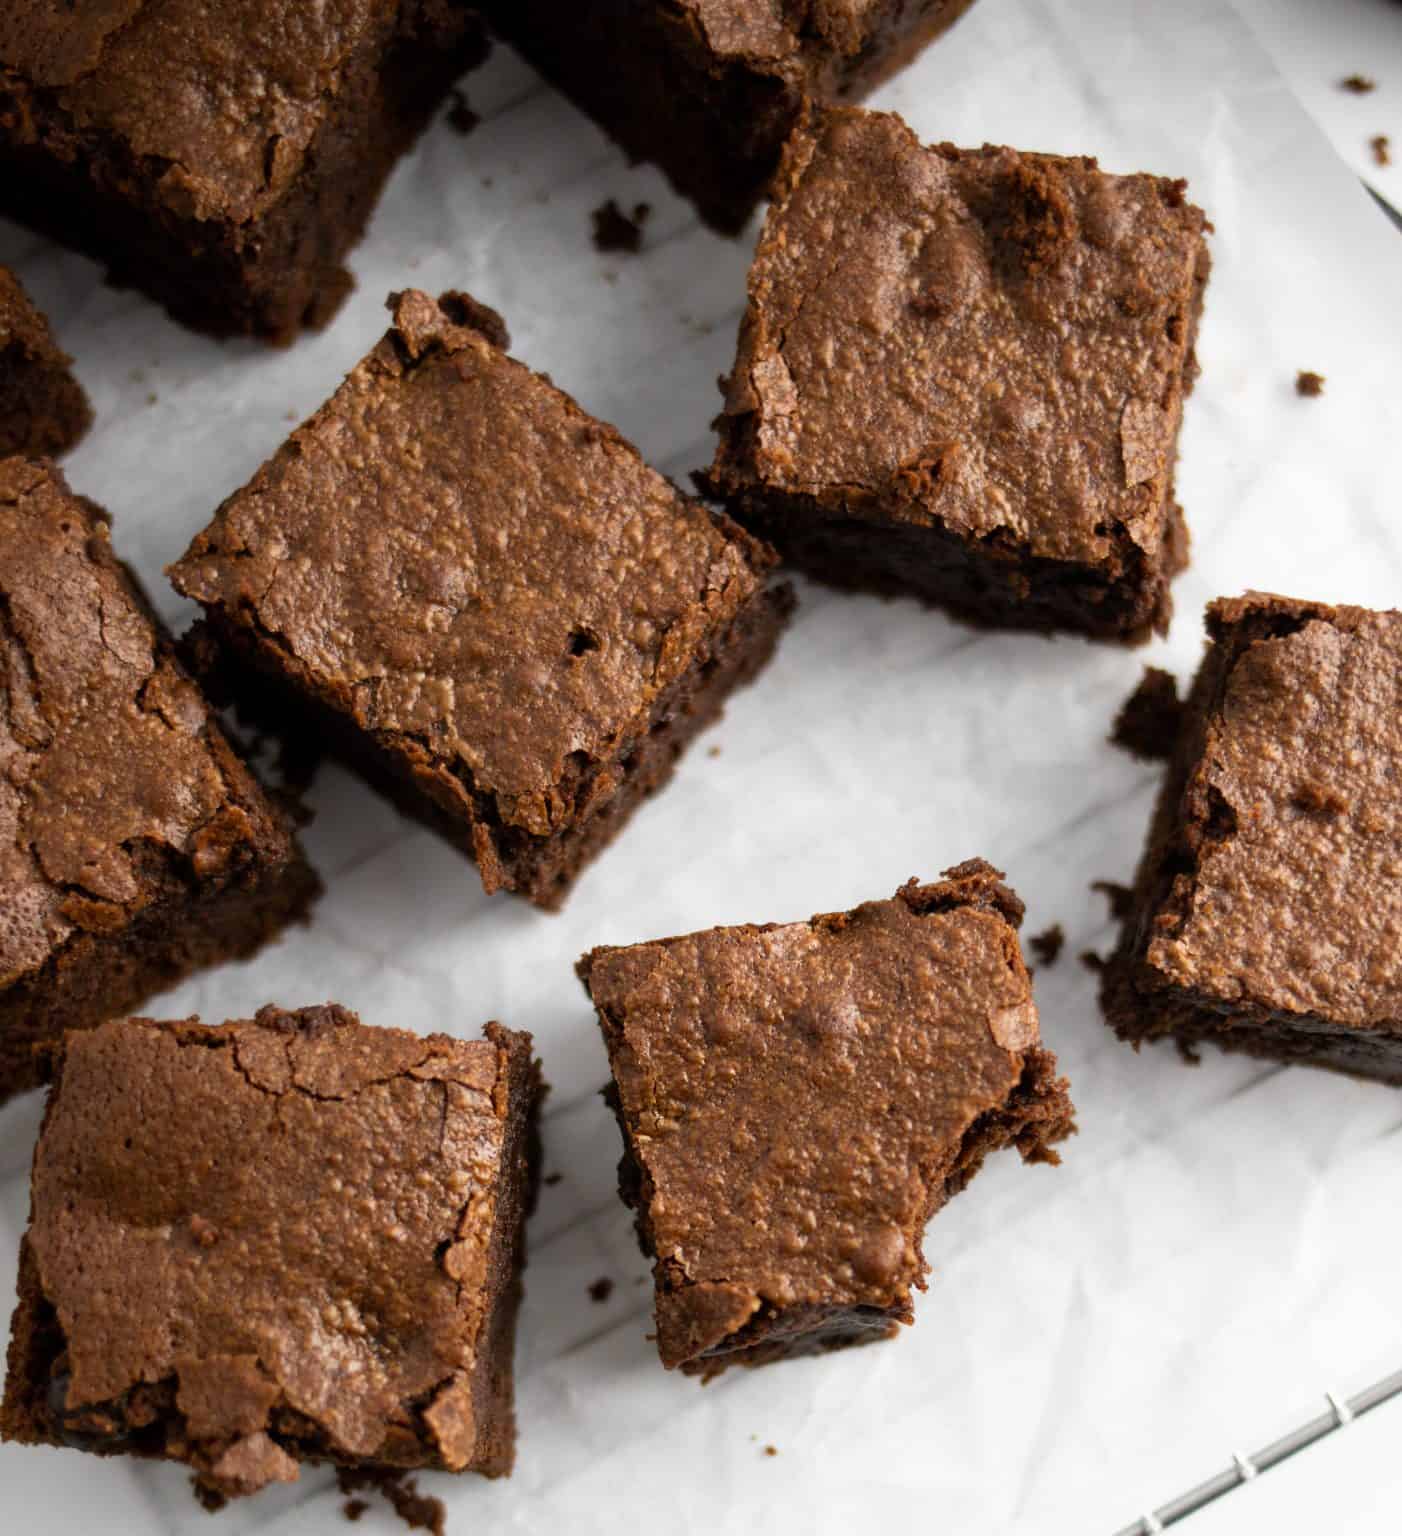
(1221, 1244)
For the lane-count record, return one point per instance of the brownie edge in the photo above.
(796, 1101)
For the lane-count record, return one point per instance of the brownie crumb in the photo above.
(552, 1179)
(615, 230)
(1147, 724)
(1120, 897)
(353, 1509)
(1047, 945)
(1359, 85)
(1309, 384)
(712, 751)
(601, 1289)
(771, 1450)
(419, 1511)
(461, 117)
(1092, 961)
(1382, 149)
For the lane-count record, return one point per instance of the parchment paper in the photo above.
(1221, 1244)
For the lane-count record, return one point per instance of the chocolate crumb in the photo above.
(1120, 897)
(615, 230)
(1382, 149)
(770, 1450)
(461, 117)
(1359, 85)
(1148, 722)
(1047, 945)
(418, 1511)
(552, 1179)
(354, 1509)
(712, 751)
(601, 1289)
(1092, 961)
(1309, 384)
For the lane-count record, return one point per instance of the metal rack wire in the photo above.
(1342, 1411)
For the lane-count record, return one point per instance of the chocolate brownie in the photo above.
(223, 155)
(798, 1100)
(135, 845)
(483, 597)
(960, 375)
(709, 89)
(1268, 904)
(43, 409)
(288, 1239)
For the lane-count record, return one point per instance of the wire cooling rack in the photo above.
(1341, 1412)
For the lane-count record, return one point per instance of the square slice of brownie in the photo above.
(484, 597)
(221, 155)
(708, 90)
(292, 1238)
(797, 1101)
(43, 409)
(135, 844)
(961, 374)
(1267, 914)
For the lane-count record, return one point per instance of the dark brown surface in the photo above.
(797, 1101)
(224, 155)
(709, 89)
(135, 845)
(483, 598)
(960, 376)
(1309, 384)
(1149, 720)
(43, 409)
(286, 1239)
(1268, 904)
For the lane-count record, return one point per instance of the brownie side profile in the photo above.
(222, 155)
(43, 410)
(1268, 903)
(135, 845)
(960, 376)
(482, 597)
(797, 1100)
(288, 1239)
(708, 90)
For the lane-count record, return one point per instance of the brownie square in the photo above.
(708, 90)
(288, 1239)
(135, 845)
(222, 155)
(43, 409)
(483, 597)
(1268, 905)
(960, 376)
(797, 1101)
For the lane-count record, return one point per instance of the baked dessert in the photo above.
(135, 844)
(43, 409)
(708, 90)
(288, 1239)
(222, 155)
(1268, 903)
(960, 376)
(797, 1100)
(482, 597)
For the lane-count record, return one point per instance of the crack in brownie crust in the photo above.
(960, 376)
(796, 1101)
(1268, 904)
(281, 1240)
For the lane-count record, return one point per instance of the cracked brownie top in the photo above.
(455, 557)
(113, 772)
(277, 1234)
